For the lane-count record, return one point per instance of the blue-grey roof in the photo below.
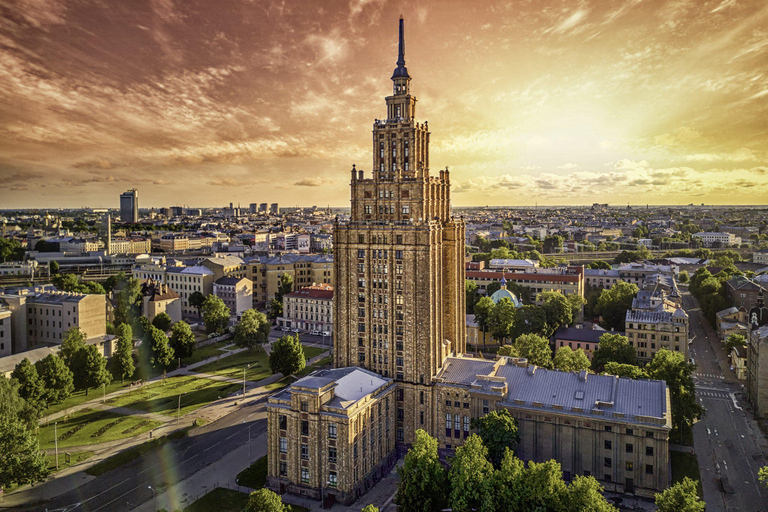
(350, 385)
(464, 370)
(574, 334)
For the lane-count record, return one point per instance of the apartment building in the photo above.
(187, 280)
(650, 331)
(567, 281)
(331, 434)
(265, 273)
(714, 239)
(309, 308)
(225, 265)
(236, 292)
(5, 331)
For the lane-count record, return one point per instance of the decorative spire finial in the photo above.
(401, 71)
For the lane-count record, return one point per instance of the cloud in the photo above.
(310, 182)
(225, 182)
(569, 165)
(682, 136)
(740, 155)
(571, 21)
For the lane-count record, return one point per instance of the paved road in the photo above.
(726, 441)
(125, 488)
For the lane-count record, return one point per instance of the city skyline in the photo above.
(551, 103)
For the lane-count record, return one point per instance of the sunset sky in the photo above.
(203, 102)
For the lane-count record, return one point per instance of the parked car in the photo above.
(326, 333)
(314, 333)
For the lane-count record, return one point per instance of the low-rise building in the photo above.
(265, 273)
(160, 298)
(715, 239)
(731, 321)
(738, 358)
(601, 278)
(567, 281)
(310, 309)
(743, 292)
(760, 257)
(236, 292)
(331, 434)
(5, 331)
(187, 280)
(225, 265)
(586, 339)
(650, 331)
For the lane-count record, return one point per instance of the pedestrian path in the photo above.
(709, 376)
(127, 411)
(715, 394)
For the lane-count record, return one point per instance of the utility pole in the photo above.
(178, 411)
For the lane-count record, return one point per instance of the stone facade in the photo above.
(309, 309)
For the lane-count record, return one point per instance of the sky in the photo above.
(203, 103)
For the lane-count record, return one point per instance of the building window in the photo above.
(304, 475)
(629, 466)
(332, 479)
(332, 430)
(608, 428)
(421, 396)
(649, 451)
(466, 427)
(283, 422)
(305, 451)
(400, 414)
(283, 469)
(607, 462)
(630, 432)
(399, 240)
(486, 409)
(649, 433)
(305, 428)
(448, 423)
(283, 445)
(332, 455)
(406, 210)
(421, 417)
(304, 406)
(649, 469)
(630, 448)
(607, 445)
(400, 435)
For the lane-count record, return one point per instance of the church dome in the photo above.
(506, 294)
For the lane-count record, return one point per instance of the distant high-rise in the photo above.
(273, 209)
(129, 206)
(263, 208)
(253, 208)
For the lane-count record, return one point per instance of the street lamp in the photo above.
(153, 491)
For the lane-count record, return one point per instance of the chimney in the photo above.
(583, 375)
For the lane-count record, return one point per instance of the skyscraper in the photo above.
(129, 206)
(399, 262)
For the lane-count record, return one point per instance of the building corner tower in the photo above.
(399, 301)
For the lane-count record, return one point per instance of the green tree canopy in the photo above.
(483, 310)
(535, 349)
(21, 461)
(630, 371)
(471, 476)
(672, 368)
(265, 500)
(122, 360)
(196, 300)
(585, 494)
(74, 340)
(287, 356)
(681, 497)
(613, 304)
(599, 265)
(252, 330)
(162, 321)
(734, 341)
(557, 311)
(423, 480)
(215, 314)
(57, 379)
(89, 369)
(470, 289)
(529, 319)
(502, 319)
(31, 387)
(569, 360)
(182, 340)
(127, 295)
(370, 508)
(10, 250)
(499, 433)
(156, 349)
(613, 347)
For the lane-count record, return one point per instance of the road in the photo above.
(724, 439)
(125, 488)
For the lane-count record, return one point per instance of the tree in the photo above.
(470, 289)
(762, 475)
(123, 357)
(182, 339)
(74, 340)
(613, 347)
(275, 308)
(599, 265)
(127, 295)
(734, 341)
(215, 314)
(141, 327)
(683, 277)
(10, 250)
(423, 480)
(535, 349)
(89, 369)
(162, 321)
(502, 319)
(542, 487)
(53, 267)
(492, 288)
(585, 494)
(507, 484)
(156, 350)
(370, 508)
(613, 304)
(557, 310)
(470, 476)
(265, 500)
(483, 310)
(284, 287)
(196, 300)
(507, 351)
(57, 379)
(21, 461)
(625, 370)
(672, 368)
(528, 319)
(681, 497)
(31, 388)
(553, 243)
(252, 330)
(498, 432)
(569, 360)
(13, 406)
(287, 356)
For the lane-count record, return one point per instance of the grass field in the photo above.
(163, 397)
(685, 465)
(310, 352)
(75, 458)
(255, 475)
(78, 397)
(134, 452)
(220, 500)
(207, 351)
(232, 366)
(88, 427)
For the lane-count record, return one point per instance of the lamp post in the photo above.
(245, 368)
(153, 491)
(56, 444)
(178, 410)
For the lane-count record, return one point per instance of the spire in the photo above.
(401, 71)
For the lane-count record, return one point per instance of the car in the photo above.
(326, 333)
(314, 333)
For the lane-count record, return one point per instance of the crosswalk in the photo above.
(714, 394)
(709, 375)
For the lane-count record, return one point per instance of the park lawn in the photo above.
(220, 499)
(685, 465)
(232, 366)
(75, 458)
(87, 427)
(255, 475)
(309, 369)
(78, 397)
(163, 397)
(310, 352)
(207, 351)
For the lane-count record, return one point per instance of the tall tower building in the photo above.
(129, 206)
(399, 297)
